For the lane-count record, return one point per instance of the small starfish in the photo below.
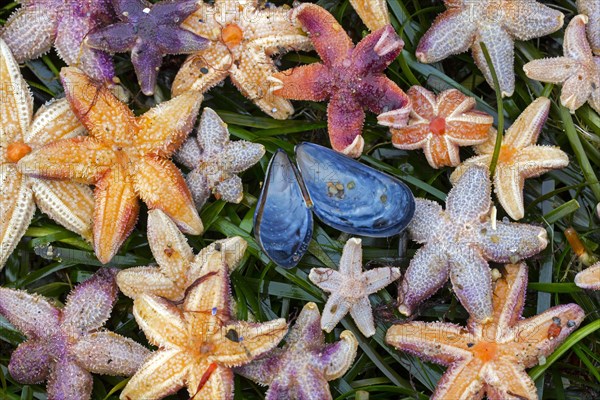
(497, 24)
(440, 124)
(350, 77)
(39, 24)
(243, 38)
(65, 346)
(490, 358)
(350, 288)
(148, 31)
(126, 157)
(589, 278)
(591, 8)
(70, 204)
(520, 157)
(578, 71)
(301, 369)
(215, 161)
(199, 343)
(178, 268)
(459, 242)
(374, 13)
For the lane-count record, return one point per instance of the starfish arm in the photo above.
(127, 8)
(175, 40)
(148, 280)
(232, 249)
(509, 381)
(307, 328)
(351, 260)
(53, 122)
(338, 357)
(453, 103)
(212, 138)
(209, 381)
(471, 196)
(199, 187)
(378, 278)
(306, 82)
(116, 38)
(31, 362)
(589, 278)
(576, 45)
(441, 152)
(292, 38)
(452, 32)
(377, 50)
(461, 381)
(327, 279)
(500, 46)
(146, 59)
(161, 185)
(411, 137)
(29, 313)
(335, 309)
(428, 215)
(16, 209)
(381, 95)
(189, 154)
(483, 160)
(107, 353)
(362, 314)
(162, 322)
(505, 242)
(591, 8)
(310, 385)
(509, 299)
(553, 70)
(373, 13)
(241, 155)
(345, 120)
(526, 129)
(230, 190)
(427, 272)
(531, 19)
(174, 10)
(595, 99)
(29, 40)
(471, 128)
(264, 370)
(534, 161)
(203, 70)
(508, 184)
(577, 90)
(163, 373)
(68, 380)
(424, 104)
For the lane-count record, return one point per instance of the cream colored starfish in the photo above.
(578, 71)
(520, 158)
(350, 288)
(199, 343)
(243, 37)
(70, 204)
(178, 268)
(589, 278)
(591, 8)
(374, 13)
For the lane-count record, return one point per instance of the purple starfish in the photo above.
(65, 346)
(149, 32)
(38, 24)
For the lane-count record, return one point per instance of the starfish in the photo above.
(199, 343)
(243, 36)
(350, 288)
(578, 71)
(591, 8)
(490, 358)
(589, 278)
(458, 244)
(126, 157)
(498, 24)
(374, 13)
(148, 31)
(65, 346)
(301, 369)
(440, 124)
(39, 24)
(69, 204)
(520, 157)
(178, 268)
(350, 77)
(215, 161)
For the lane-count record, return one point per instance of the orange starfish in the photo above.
(126, 157)
(490, 358)
(440, 124)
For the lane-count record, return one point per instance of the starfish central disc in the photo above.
(438, 126)
(17, 150)
(507, 154)
(232, 35)
(485, 351)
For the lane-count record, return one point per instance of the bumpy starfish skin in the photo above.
(39, 24)
(126, 157)
(215, 161)
(350, 77)
(589, 278)
(520, 157)
(490, 358)
(148, 31)
(69, 204)
(178, 268)
(497, 23)
(374, 13)
(301, 369)
(64, 346)
(198, 343)
(591, 8)
(459, 242)
(440, 124)
(243, 38)
(578, 71)
(350, 288)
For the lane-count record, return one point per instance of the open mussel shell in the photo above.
(283, 222)
(352, 197)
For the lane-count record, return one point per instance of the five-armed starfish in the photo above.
(490, 358)
(520, 157)
(351, 78)
(64, 346)
(591, 8)
(70, 204)
(38, 24)
(243, 38)
(459, 242)
(148, 31)
(301, 369)
(589, 278)
(497, 24)
(199, 343)
(126, 157)
(350, 288)
(441, 124)
(178, 268)
(578, 70)
(215, 161)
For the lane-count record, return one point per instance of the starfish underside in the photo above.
(589, 278)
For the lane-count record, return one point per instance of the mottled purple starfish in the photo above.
(38, 24)
(64, 346)
(149, 32)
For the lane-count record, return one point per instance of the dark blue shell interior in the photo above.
(352, 197)
(283, 222)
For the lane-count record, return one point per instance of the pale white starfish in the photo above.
(591, 8)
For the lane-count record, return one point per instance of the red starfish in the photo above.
(350, 77)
